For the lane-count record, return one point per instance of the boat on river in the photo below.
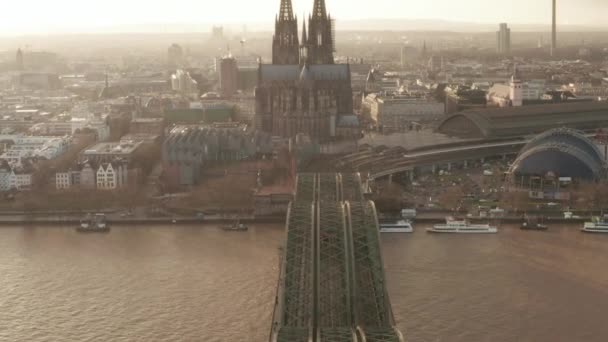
(597, 225)
(236, 226)
(533, 223)
(454, 226)
(400, 226)
(94, 224)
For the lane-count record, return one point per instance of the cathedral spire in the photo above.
(304, 36)
(303, 44)
(320, 35)
(285, 45)
(286, 11)
(319, 10)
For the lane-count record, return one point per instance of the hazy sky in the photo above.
(39, 16)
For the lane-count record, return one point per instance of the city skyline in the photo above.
(69, 16)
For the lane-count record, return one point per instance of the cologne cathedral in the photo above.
(303, 90)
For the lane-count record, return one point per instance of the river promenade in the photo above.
(114, 217)
(62, 218)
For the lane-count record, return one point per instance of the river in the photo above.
(190, 283)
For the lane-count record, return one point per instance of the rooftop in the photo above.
(526, 120)
(124, 148)
(321, 72)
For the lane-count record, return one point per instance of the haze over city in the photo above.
(72, 16)
(304, 170)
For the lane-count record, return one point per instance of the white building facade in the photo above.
(111, 176)
(399, 112)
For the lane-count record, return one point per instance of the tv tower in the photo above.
(554, 29)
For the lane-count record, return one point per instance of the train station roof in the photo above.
(511, 122)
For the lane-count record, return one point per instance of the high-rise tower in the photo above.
(285, 45)
(503, 39)
(19, 60)
(554, 29)
(320, 43)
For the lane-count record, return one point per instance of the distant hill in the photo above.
(266, 27)
(446, 25)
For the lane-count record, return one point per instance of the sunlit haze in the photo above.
(37, 16)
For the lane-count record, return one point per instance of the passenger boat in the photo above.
(401, 226)
(236, 226)
(452, 225)
(597, 225)
(532, 223)
(95, 224)
(85, 223)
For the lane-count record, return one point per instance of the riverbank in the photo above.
(114, 217)
(59, 219)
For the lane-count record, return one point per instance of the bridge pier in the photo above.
(434, 169)
(449, 166)
(465, 164)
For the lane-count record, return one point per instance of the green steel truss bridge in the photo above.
(332, 286)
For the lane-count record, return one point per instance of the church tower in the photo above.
(320, 35)
(285, 45)
(516, 89)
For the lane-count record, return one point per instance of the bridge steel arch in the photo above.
(351, 187)
(294, 313)
(306, 187)
(372, 307)
(334, 307)
(331, 284)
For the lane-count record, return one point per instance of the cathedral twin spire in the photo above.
(286, 11)
(318, 9)
(317, 45)
(285, 44)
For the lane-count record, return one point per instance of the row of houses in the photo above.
(103, 176)
(15, 178)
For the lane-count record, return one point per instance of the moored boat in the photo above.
(454, 226)
(597, 225)
(400, 226)
(95, 224)
(236, 226)
(533, 223)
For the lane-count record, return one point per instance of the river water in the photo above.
(189, 283)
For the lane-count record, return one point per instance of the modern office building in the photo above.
(503, 39)
(228, 76)
(175, 56)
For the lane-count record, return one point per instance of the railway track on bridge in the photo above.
(332, 283)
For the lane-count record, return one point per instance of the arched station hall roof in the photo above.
(563, 152)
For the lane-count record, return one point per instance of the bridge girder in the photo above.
(332, 278)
